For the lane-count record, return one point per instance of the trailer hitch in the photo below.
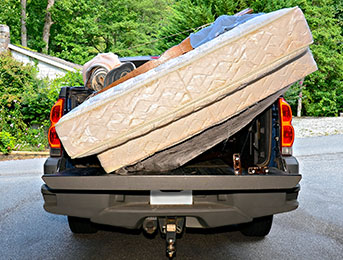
(170, 227)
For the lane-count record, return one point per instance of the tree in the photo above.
(23, 23)
(35, 24)
(323, 94)
(324, 88)
(47, 25)
(183, 16)
(10, 15)
(84, 28)
(105, 26)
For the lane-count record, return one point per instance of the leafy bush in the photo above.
(69, 79)
(292, 96)
(38, 101)
(15, 81)
(25, 103)
(33, 139)
(7, 142)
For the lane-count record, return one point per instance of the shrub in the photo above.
(292, 96)
(34, 139)
(16, 79)
(7, 142)
(25, 103)
(69, 79)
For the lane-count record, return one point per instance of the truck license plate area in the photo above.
(158, 197)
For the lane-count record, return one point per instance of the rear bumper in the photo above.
(51, 165)
(209, 209)
(124, 201)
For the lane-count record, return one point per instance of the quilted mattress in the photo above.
(189, 94)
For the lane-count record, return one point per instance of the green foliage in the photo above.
(323, 92)
(69, 79)
(37, 102)
(7, 142)
(33, 139)
(25, 103)
(105, 26)
(292, 96)
(18, 89)
(35, 22)
(10, 15)
(184, 15)
(35, 11)
(83, 28)
(324, 87)
(15, 79)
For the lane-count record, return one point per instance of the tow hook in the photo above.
(170, 227)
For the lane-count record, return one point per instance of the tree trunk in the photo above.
(47, 25)
(23, 23)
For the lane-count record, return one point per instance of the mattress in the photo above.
(181, 153)
(187, 95)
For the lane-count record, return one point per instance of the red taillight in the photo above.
(288, 135)
(55, 114)
(286, 129)
(286, 113)
(57, 111)
(54, 141)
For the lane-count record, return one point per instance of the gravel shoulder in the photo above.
(317, 126)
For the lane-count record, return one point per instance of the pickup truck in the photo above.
(218, 188)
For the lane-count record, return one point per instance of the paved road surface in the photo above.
(313, 231)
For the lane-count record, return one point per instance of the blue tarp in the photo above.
(222, 24)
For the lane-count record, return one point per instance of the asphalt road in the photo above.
(313, 231)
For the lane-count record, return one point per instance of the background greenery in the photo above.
(25, 104)
(83, 28)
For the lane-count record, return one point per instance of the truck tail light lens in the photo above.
(55, 114)
(286, 130)
(54, 141)
(57, 111)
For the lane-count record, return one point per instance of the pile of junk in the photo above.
(161, 115)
